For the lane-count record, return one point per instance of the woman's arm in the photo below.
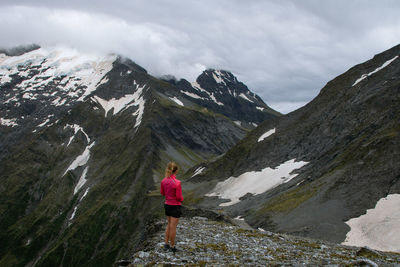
(179, 195)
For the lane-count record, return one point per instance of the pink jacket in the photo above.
(172, 190)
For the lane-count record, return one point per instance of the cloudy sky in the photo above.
(283, 50)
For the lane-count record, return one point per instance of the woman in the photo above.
(172, 190)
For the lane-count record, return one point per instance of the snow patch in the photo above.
(8, 122)
(29, 96)
(379, 228)
(215, 100)
(125, 102)
(192, 95)
(81, 181)
(81, 159)
(375, 71)
(197, 86)
(76, 128)
(260, 108)
(116, 104)
(139, 112)
(238, 123)
(245, 97)
(44, 123)
(73, 214)
(76, 207)
(217, 75)
(255, 182)
(177, 101)
(72, 75)
(198, 171)
(5, 79)
(265, 135)
(84, 195)
(58, 101)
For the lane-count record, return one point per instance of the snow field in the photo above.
(81, 160)
(81, 181)
(192, 95)
(265, 135)
(197, 86)
(198, 171)
(125, 102)
(379, 228)
(85, 70)
(245, 97)
(255, 182)
(177, 101)
(8, 122)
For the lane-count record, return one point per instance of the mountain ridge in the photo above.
(349, 137)
(84, 142)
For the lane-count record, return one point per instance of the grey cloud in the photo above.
(283, 50)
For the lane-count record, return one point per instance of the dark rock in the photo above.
(123, 263)
(367, 252)
(364, 262)
(19, 50)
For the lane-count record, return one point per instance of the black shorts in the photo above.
(173, 210)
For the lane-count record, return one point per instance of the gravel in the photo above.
(204, 242)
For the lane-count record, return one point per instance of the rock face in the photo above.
(221, 92)
(348, 143)
(206, 242)
(84, 141)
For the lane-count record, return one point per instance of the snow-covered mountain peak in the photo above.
(45, 79)
(221, 92)
(221, 76)
(224, 82)
(43, 66)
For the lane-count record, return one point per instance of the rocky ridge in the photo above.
(221, 92)
(205, 242)
(310, 172)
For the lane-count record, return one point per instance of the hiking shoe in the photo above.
(174, 249)
(166, 247)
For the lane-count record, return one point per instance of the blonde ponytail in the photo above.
(171, 169)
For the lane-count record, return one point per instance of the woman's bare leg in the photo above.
(172, 230)
(167, 232)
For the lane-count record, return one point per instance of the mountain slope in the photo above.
(84, 142)
(310, 171)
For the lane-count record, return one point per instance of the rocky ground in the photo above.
(204, 242)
